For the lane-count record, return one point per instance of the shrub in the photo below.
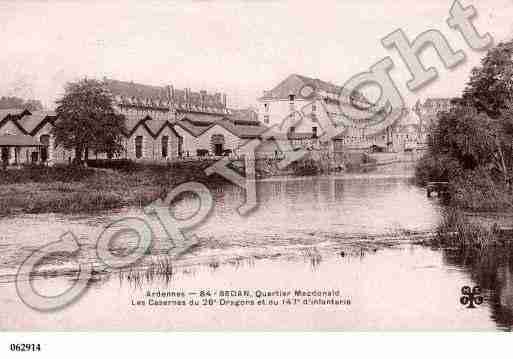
(477, 190)
(116, 164)
(436, 168)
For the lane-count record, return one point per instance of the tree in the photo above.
(490, 87)
(87, 120)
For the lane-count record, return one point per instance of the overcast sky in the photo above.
(239, 47)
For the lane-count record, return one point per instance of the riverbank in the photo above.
(74, 190)
(69, 189)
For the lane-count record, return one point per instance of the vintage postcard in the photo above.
(256, 165)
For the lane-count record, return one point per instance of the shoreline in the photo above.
(68, 190)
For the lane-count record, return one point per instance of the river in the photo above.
(355, 234)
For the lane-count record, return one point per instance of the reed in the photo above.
(160, 269)
(455, 230)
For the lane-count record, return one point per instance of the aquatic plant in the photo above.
(456, 230)
(160, 269)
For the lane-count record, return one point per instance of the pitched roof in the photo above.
(135, 90)
(33, 121)
(10, 111)
(244, 115)
(240, 130)
(294, 83)
(162, 96)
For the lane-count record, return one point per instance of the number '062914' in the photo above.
(25, 347)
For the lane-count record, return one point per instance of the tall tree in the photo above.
(490, 87)
(87, 120)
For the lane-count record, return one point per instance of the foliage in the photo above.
(116, 164)
(437, 168)
(471, 146)
(472, 138)
(87, 120)
(477, 190)
(490, 87)
(75, 189)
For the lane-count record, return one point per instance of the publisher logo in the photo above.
(471, 296)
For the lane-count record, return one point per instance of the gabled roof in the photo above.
(34, 121)
(294, 83)
(241, 131)
(153, 126)
(11, 112)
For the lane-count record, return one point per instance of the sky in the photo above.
(238, 47)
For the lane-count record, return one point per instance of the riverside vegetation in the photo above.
(73, 189)
(471, 147)
(77, 189)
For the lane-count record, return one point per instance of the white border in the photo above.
(260, 345)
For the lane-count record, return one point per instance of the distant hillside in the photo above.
(19, 103)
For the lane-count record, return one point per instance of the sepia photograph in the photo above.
(255, 166)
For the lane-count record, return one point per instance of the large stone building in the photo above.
(162, 124)
(429, 110)
(315, 98)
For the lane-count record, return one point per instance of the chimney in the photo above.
(171, 93)
(186, 96)
(203, 98)
(224, 100)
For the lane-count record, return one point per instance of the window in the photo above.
(292, 129)
(45, 141)
(165, 143)
(291, 98)
(266, 119)
(314, 108)
(266, 107)
(314, 132)
(138, 146)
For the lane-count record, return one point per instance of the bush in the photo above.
(477, 190)
(436, 168)
(45, 174)
(115, 164)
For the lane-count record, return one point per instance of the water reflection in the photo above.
(492, 270)
(311, 232)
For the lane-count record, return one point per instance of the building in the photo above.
(315, 98)
(162, 124)
(429, 110)
(18, 127)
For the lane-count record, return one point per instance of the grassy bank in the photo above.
(458, 230)
(73, 190)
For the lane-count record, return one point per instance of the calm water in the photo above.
(349, 234)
